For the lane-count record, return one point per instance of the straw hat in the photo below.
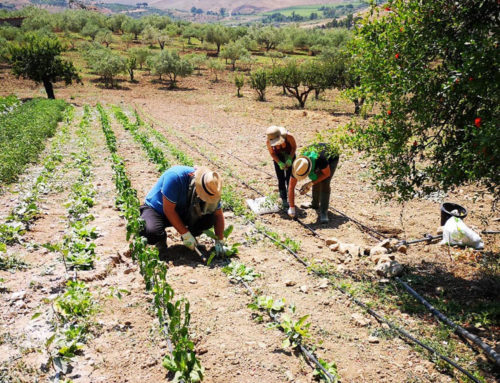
(208, 184)
(276, 135)
(301, 167)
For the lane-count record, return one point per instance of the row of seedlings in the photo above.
(296, 331)
(173, 314)
(73, 308)
(324, 271)
(27, 209)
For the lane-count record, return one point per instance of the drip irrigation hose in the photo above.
(370, 231)
(377, 316)
(490, 232)
(309, 355)
(495, 357)
(359, 303)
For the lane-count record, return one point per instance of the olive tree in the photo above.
(218, 35)
(106, 64)
(171, 64)
(38, 58)
(233, 52)
(258, 81)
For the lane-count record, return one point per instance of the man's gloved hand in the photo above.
(288, 162)
(281, 165)
(219, 248)
(291, 212)
(188, 240)
(306, 187)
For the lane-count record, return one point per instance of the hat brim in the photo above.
(277, 141)
(200, 191)
(303, 176)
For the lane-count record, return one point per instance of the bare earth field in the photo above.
(125, 345)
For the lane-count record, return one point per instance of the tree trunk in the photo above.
(162, 45)
(218, 49)
(234, 65)
(358, 104)
(131, 72)
(49, 89)
(316, 93)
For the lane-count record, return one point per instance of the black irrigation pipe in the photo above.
(495, 357)
(377, 316)
(370, 231)
(309, 355)
(359, 303)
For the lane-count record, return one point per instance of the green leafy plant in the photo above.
(229, 250)
(259, 81)
(237, 272)
(436, 122)
(331, 367)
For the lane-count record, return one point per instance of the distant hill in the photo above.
(229, 5)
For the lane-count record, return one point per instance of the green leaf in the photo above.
(36, 315)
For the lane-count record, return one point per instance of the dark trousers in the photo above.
(155, 224)
(324, 186)
(283, 179)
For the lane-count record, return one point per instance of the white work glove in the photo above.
(188, 240)
(291, 212)
(219, 248)
(306, 187)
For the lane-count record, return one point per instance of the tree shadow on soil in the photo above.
(116, 84)
(472, 304)
(176, 89)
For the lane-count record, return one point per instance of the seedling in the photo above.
(331, 368)
(229, 251)
(237, 272)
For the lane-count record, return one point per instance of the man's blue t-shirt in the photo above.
(174, 185)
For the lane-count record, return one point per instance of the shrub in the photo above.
(106, 64)
(216, 67)
(239, 81)
(258, 81)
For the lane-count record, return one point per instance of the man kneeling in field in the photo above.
(189, 200)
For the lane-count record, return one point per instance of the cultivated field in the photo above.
(71, 278)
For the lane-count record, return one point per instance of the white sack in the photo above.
(456, 232)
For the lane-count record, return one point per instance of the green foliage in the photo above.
(331, 367)
(239, 81)
(216, 67)
(106, 64)
(140, 55)
(237, 272)
(76, 302)
(171, 64)
(8, 104)
(23, 134)
(229, 250)
(11, 262)
(258, 81)
(434, 75)
(218, 35)
(133, 26)
(38, 58)
(173, 315)
(296, 331)
(234, 51)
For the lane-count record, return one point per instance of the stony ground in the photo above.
(207, 117)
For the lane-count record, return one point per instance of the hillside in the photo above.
(215, 5)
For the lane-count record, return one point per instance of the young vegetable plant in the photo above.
(229, 251)
(238, 272)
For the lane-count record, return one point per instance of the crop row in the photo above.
(74, 306)
(23, 134)
(173, 314)
(296, 331)
(78, 248)
(28, 207)
(345, 286)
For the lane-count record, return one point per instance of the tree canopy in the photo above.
(432, 66)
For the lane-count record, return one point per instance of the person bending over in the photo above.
(188, 199)
(319, 165)
(282, 146)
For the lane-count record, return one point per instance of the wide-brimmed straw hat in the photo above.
(208, 184)
(301, 167)
(276, 135)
